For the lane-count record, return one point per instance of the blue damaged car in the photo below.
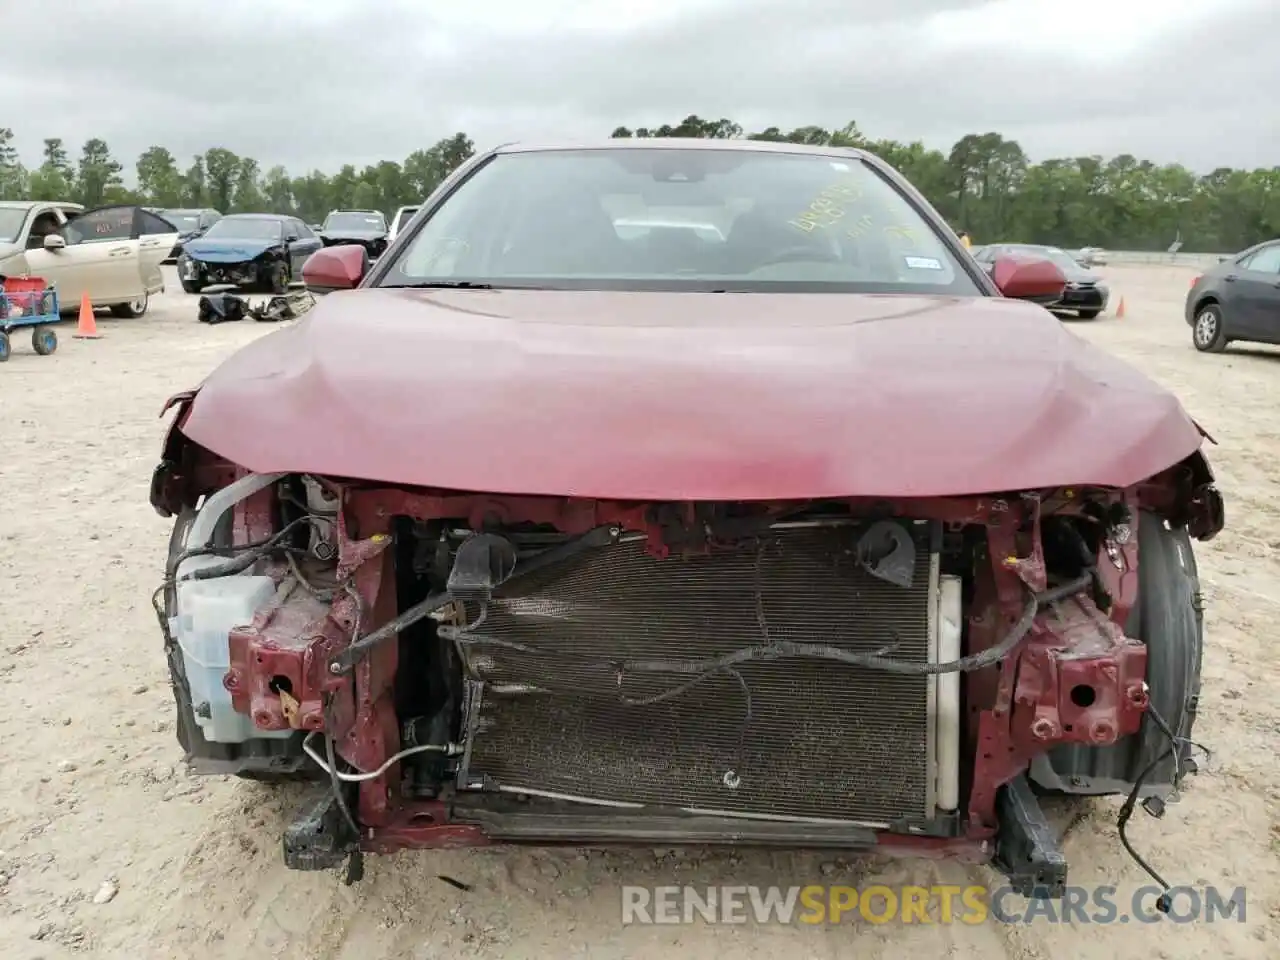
(262, 251)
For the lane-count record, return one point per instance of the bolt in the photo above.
(1102, 732)
(262, 718)
(335, 667)
(1043, 729)
(231, 680)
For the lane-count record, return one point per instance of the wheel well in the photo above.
(1204, 302)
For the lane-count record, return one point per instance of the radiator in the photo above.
(550, 712)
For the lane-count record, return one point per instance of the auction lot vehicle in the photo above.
(112, 254)
(261, 250)
(190, 223)
(402, 217)
(363, 228)
(779, 523)
(1238, 299)
(1086, 294)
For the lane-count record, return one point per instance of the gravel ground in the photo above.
(108, 849)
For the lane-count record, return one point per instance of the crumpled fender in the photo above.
(168, 484)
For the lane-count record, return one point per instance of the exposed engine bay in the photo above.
(908, 676)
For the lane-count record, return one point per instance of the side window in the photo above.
(304, 232)
(44, 224)
(149, 223)
(1266, 260)
(100, 226)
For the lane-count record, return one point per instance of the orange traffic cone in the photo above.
(87, 328)
(1120, 310)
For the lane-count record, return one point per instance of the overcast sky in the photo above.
(319, 83)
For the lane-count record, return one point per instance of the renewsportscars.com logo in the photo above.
(940, 904)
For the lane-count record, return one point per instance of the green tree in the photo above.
(158, 178)
(248, 196)
(984, 183)
(53, 179)
(222, 170)
(195, 185)
(98, 177)
(13, 175)
(365, 196)
(313, 196)
(277, 191)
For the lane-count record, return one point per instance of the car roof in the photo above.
(259, 216)
(28, 204)
(685, 143)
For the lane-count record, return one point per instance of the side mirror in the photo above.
(53, 241)
(335, 268)
(1039, 281)
(291, 238)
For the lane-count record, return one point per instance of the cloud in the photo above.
(320, 83)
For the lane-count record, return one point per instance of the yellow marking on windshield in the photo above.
(828, 208)
(903, 233)
(860, 227)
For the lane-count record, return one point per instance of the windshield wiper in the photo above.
(438, 285)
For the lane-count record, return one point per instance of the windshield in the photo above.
(11, 221)
(680, 219)
(244, 228)
(355, 221)
(405, 216)
(182, 219)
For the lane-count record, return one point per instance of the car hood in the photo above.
(688, 396)
(353, 234)
(226, 251)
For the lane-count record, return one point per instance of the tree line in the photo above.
(985, 184)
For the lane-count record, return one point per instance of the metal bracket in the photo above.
(1027, 850)
(319, 838)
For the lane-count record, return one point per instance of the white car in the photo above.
(1092, 257)
(113, 254)
(403, 216)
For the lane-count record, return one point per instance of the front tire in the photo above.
(131, 310)
(1089, 314)
(1208, 332)
(278, 279)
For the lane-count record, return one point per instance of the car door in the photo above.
(301, 249)
(1253, 305)
(100, 258)
(156, 239)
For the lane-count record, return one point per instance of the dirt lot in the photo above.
(93, 794)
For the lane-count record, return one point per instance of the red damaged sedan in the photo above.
(684, 492)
